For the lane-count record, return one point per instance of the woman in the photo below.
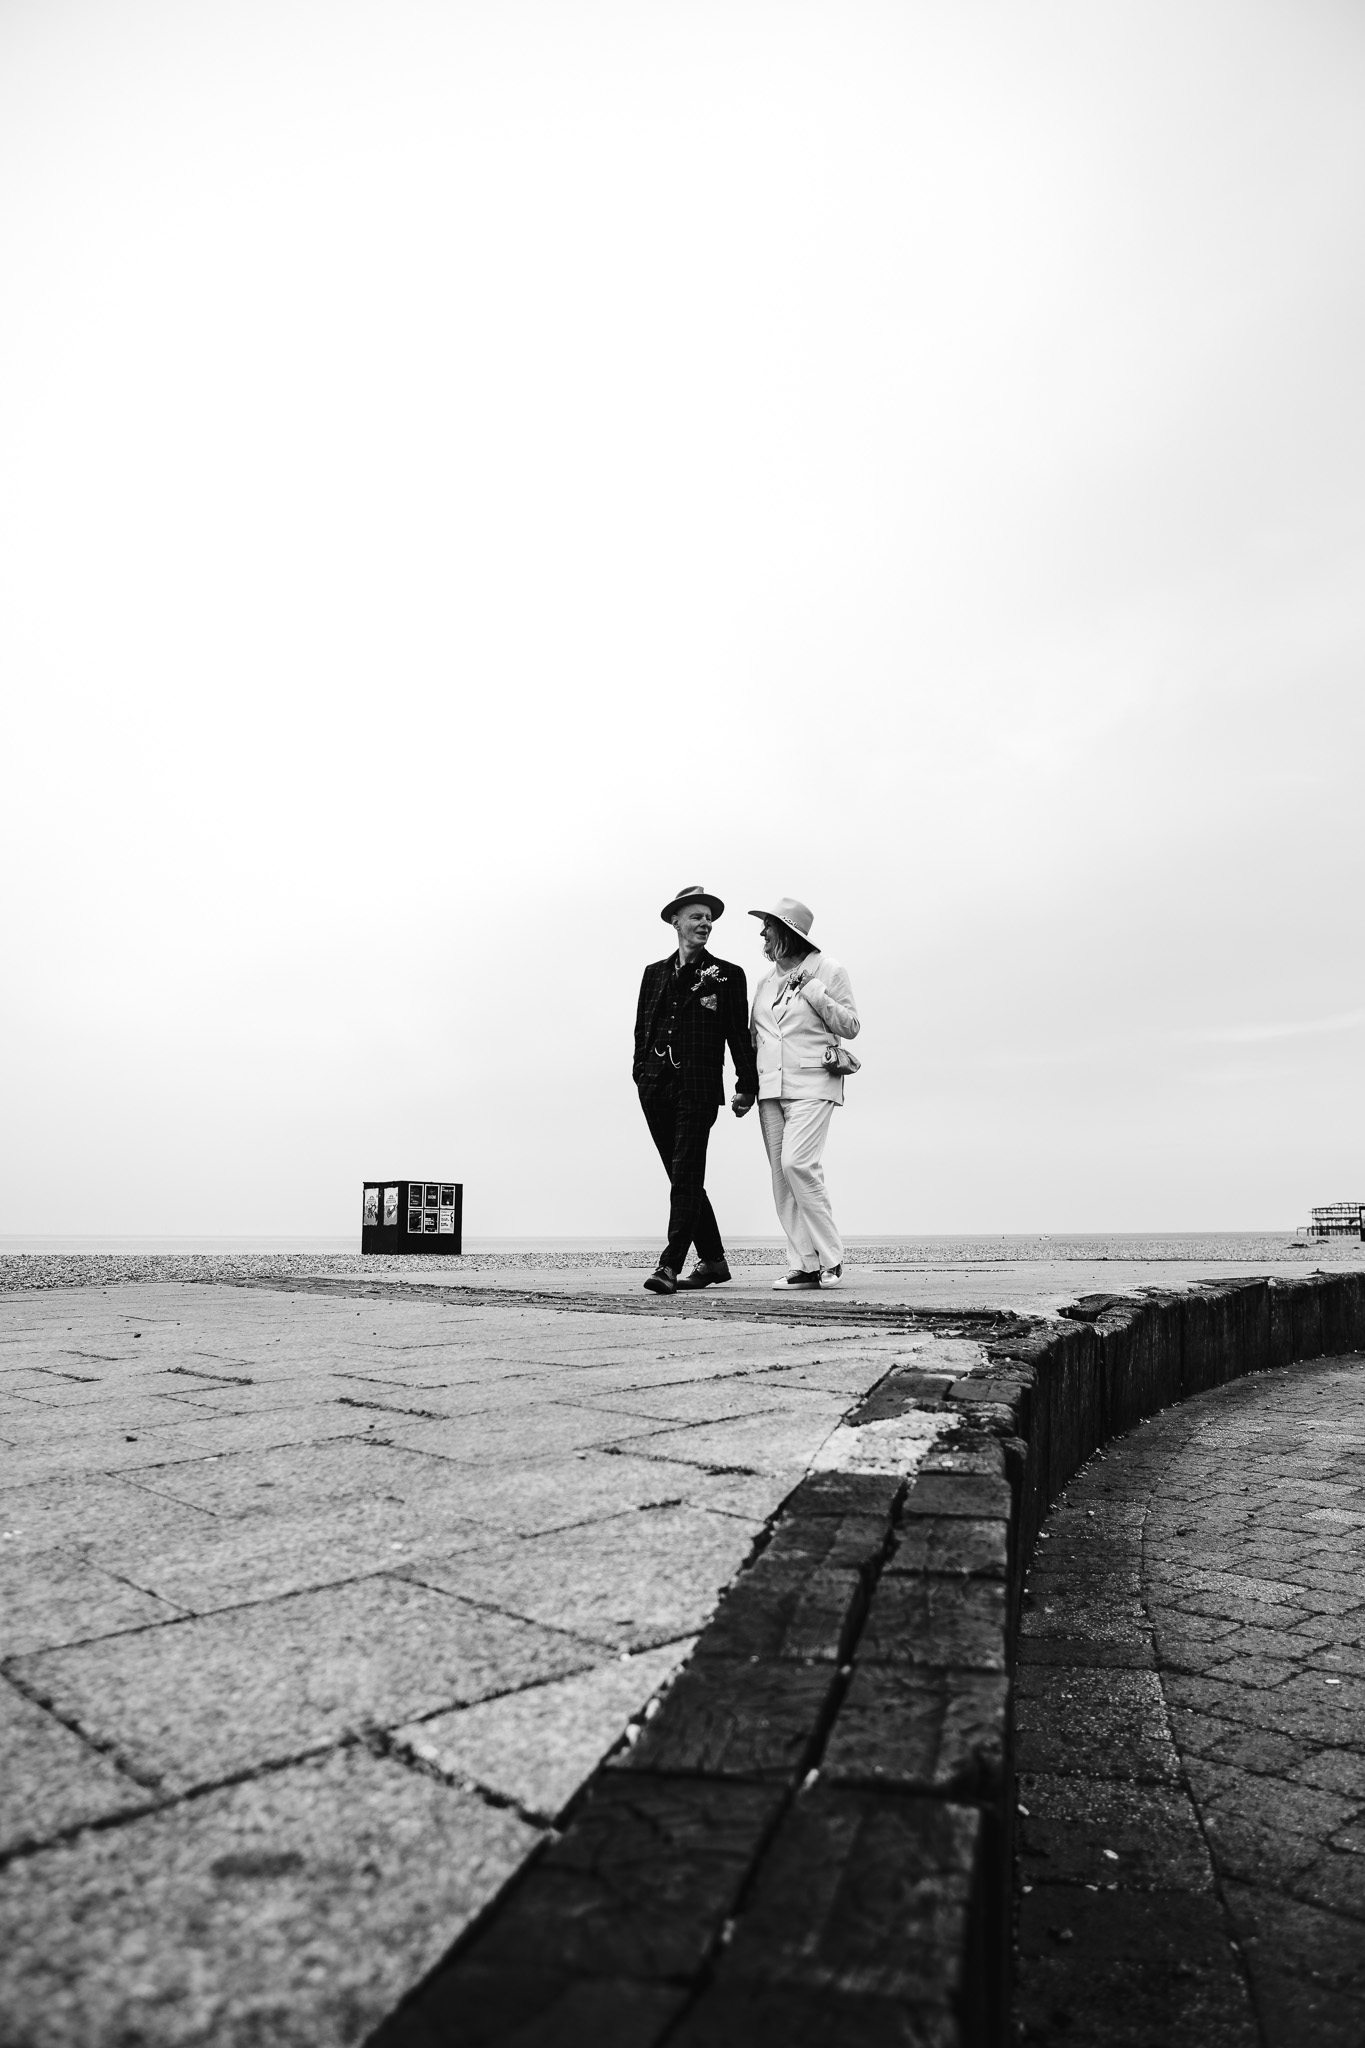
(801, 1009)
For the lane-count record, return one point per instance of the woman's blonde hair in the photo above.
(780, 942)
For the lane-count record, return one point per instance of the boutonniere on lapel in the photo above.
(711, 974)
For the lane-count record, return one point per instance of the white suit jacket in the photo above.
(791, 1032)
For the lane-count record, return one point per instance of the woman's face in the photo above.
(774, 940)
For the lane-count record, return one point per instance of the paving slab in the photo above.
(51, 1597)
(90, 1513)
(777, 1444)
(238, 1561)
(191, 1703)
(549, 1493)
(538, 1746)
(139, 1416)
(293, 1909)
(627, 1582)
(142, 1451)
(498, 1436)
(53, 1779)
(279, 1478)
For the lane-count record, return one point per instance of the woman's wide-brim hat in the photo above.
(696, 894)
(795, 916)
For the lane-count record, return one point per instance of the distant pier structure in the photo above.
(1338, 1219)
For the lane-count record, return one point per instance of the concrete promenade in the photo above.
(318, 1611)
(1190, 1713)
(322, 1596)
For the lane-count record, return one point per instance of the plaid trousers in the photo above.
(681, 1130)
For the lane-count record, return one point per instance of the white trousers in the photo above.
(794, 1133)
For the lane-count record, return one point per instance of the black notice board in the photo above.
(412, 1216)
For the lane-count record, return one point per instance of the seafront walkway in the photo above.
(324, 1592)
(318, 1609)
(1190, 1721)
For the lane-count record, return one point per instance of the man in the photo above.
(691, 1007)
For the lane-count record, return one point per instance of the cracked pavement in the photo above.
(1191, 1730)
(319, 1609)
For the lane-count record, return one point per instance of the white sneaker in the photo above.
(796, 1279)
(831, 1276)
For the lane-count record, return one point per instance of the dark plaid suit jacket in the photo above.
(702, 1032)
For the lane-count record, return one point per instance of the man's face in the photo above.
(693, 923)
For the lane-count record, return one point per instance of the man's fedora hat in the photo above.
(695, 894)
(792, 914)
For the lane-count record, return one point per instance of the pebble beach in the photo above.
(24, 1271)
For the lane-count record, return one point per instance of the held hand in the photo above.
(741, 1104)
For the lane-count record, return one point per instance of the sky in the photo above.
(468, 470)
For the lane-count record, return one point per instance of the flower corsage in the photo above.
(712, 973)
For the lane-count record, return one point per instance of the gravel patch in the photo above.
(32, 1272)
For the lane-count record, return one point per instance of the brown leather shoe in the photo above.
(707, 1273)
(663, 1280)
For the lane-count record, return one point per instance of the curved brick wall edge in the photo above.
(810, 1842)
